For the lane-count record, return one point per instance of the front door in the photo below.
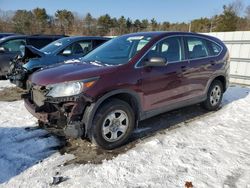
(162, 86)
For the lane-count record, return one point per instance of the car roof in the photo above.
(159, 33)
(13, 37)
(162, 34)
(7, 33)
(88, 38)
(46, 36)
(31, 36)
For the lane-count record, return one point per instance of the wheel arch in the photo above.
(223, 81)
(219, 77)
(131, 97)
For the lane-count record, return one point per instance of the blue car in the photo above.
(59, 51)
(6, 34)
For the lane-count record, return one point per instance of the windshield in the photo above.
(118, 50)
(52, 47)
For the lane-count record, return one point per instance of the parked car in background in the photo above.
(10, 47)
(69, 48)
(128, 79)
(6, 34)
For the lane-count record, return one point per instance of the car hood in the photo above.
(39, 62)
(65, 72)
(32, 52)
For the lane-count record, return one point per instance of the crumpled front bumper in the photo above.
(42, 116)
(63, 114)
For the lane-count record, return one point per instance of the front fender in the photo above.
(90, 110)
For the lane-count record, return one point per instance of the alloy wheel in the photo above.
(115, 125)
(215, 95)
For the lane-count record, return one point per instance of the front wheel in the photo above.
(214, 96)
(113, 124)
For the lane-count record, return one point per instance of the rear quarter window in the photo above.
(215, 48)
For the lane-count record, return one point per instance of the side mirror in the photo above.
(67, 52)
(2, 50)
(155, 62)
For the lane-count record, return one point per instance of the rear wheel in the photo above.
(214, 96)
(113, 124)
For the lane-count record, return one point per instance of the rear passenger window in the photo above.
(197, 48)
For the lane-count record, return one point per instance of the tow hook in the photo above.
(74, 129)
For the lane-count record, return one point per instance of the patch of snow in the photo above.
(58, 44)
(109, 65)
(209, 151)
(72, 61)
(96, 63)
(21, 148)
(5, 84)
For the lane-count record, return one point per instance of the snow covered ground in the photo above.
(210, 151)
(4, 84)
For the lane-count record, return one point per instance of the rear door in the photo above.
(200, 67)
(163, 86)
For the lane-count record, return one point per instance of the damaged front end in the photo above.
(18, 74)
(61, 115)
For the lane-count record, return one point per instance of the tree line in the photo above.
(234, 17)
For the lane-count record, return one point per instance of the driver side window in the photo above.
(170, 49)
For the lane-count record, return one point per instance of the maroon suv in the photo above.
(128, 79)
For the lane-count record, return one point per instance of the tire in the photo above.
(214, 96)
(113, 124)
